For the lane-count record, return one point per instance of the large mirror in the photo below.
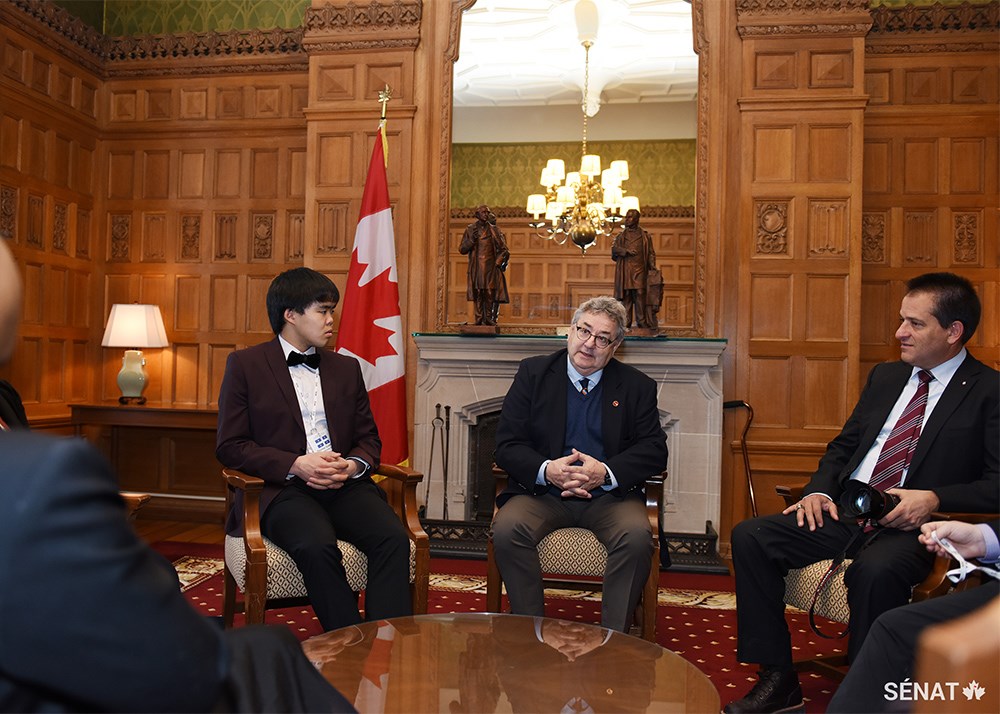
(519, 78)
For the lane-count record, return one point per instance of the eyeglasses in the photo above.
(600, 340)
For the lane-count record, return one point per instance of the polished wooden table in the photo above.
(486, 662)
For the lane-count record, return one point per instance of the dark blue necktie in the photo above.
(296, 358)
(584, 385)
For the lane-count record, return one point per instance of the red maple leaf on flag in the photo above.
(375, 300)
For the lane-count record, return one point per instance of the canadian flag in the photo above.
(371, 326)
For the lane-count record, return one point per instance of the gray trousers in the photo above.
(620, 524)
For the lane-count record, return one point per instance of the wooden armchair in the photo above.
(266, 574)
(570, 556)
(801, 583)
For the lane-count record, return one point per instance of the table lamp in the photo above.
(132, 327)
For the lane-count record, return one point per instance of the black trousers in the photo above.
(307, 523)
(889, 651)
(766, 548)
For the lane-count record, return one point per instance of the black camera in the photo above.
(860, 500)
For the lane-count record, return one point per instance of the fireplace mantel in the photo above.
(471, 374)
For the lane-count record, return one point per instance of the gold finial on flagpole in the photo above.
(384, 96)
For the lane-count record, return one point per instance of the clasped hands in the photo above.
(576, 474)
(324, 470)
(571, 639)
(914, 509)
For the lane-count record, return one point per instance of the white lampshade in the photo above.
(565, 194)
(573, 178)
(553, 210)
(135, 326)
(536, 205)
(557, 169)
(628, 203)
(590, 165)
(613, 198)
(622, 168)
(610, 179)
(546, 180)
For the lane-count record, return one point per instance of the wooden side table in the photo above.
(164, 451)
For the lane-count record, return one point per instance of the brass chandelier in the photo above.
(579, 206)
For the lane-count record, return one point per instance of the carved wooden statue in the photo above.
(486, 247)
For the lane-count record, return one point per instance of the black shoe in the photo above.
(776, 691)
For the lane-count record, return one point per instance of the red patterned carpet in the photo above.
(697, 616)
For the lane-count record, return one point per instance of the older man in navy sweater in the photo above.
(579, 434)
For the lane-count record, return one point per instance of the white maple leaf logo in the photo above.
(973, 691)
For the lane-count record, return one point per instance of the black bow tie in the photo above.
(295, 358)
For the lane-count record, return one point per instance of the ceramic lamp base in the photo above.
(132, 378)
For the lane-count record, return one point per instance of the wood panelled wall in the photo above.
(49, 168)
(883, 167)
(799, 268)
(841, 150)
(203, 196)
(930, 189)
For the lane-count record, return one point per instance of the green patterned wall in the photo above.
(142, 17)
(156, 17)
(662, 172)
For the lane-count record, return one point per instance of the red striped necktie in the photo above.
(897, 451)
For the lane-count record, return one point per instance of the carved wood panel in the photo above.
(930, 197)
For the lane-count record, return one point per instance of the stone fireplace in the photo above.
(466, 378)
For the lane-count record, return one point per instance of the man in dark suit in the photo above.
(579, 434)
(937, 413)
(91, 618)
(297, 416)
(887, 656)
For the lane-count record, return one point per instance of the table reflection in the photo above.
(481, 662)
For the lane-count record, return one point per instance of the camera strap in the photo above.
(827, 578)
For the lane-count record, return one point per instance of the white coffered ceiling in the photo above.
(526, 53)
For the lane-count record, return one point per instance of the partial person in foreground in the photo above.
(12, 414)
(579, 434)
(297, 415)
(926, 430)
(92, 619)
(887, 658)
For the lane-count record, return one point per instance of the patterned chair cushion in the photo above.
(800, 586)
(283, 577)
(572, 551)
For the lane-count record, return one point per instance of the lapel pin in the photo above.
(614, 403)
